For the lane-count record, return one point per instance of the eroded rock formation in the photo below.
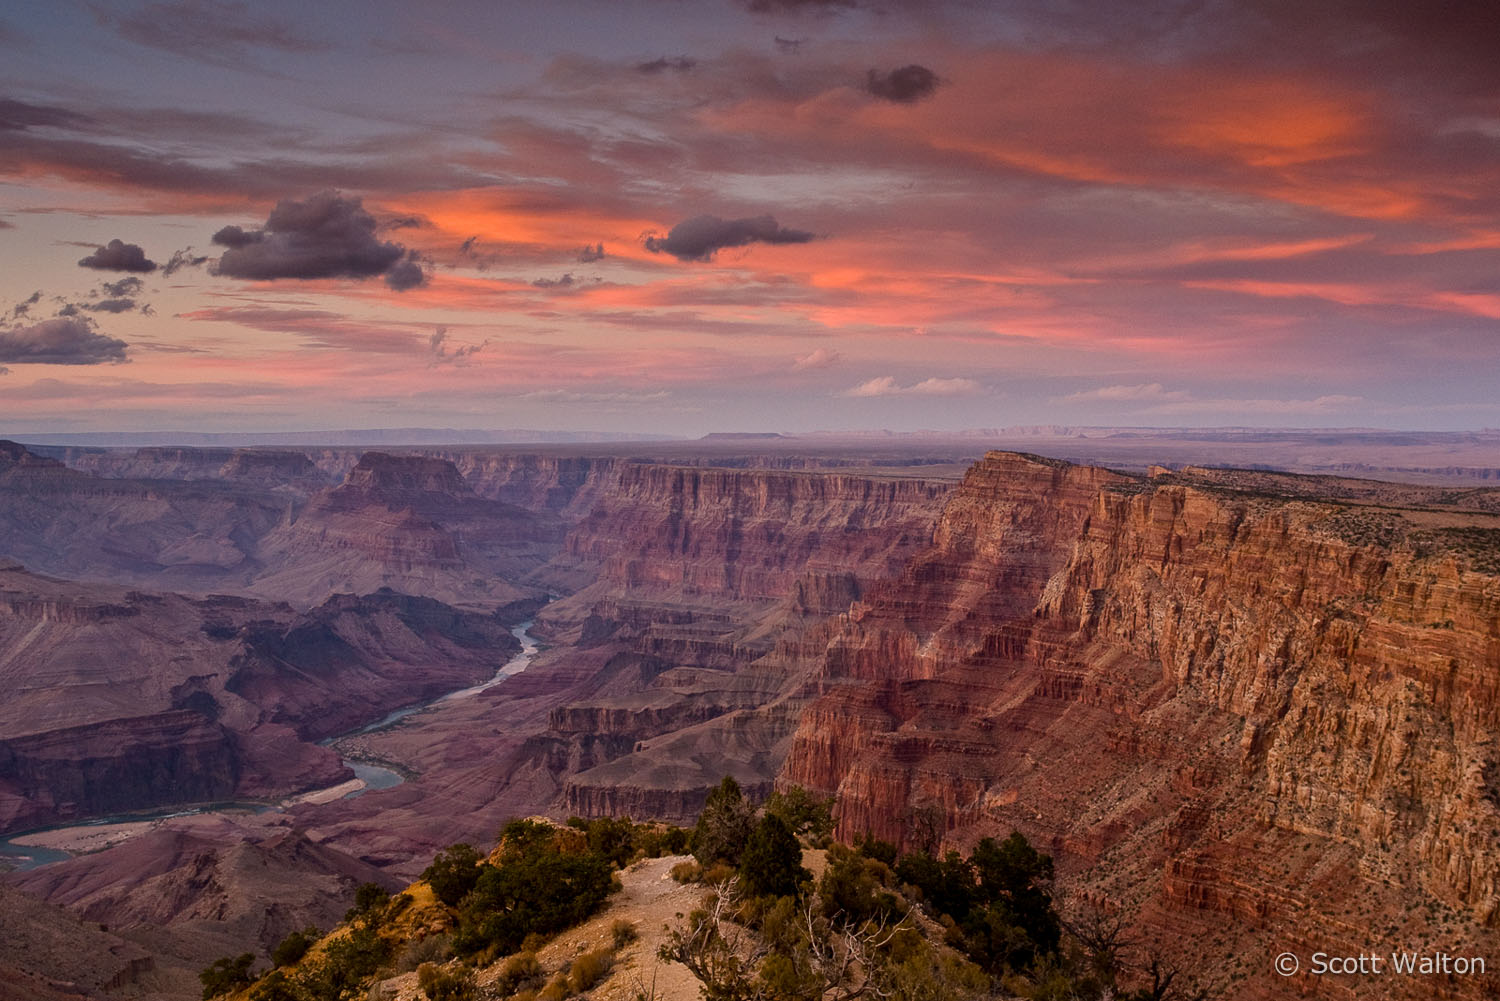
(1207, 701)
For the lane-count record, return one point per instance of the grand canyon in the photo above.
(1248, 712)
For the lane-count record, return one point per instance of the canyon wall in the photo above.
(120, 700)
(700, 572)
(1209, 702)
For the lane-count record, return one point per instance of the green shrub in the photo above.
(771, 864)
(611, 839)
(807, 815)
(275, 986)
(853, 888)
(292, 948)
(351, 958)
(724, 826)
(226, 974)
(538, 888)
(453, 873)
(428, 949)
(369, 901)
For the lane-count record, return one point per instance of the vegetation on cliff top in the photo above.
(871, 924)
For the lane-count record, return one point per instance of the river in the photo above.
(373, 776)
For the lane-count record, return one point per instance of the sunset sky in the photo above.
(684, 217)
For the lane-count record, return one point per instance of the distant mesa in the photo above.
(742, 436)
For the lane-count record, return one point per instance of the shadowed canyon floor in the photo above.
(1251, 711)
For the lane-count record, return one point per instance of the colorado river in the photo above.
(100, 833)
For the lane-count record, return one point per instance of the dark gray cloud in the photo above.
(124, 287)
(589, 254)
(904, 85)
(184, 258)
(62, 340)
(564, 282)
(443, 354)
(110, 297)
(23, 307)
(677, 64)
(407, 273)
(111, 306)
(18, 115)
(119, 256)
(326, 236)
(222, 32)
(789, 44)
(703, 236)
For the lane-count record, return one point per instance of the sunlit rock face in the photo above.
(1209, 702)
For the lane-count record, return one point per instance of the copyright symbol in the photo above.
(1286, 964)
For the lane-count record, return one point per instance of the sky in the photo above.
(687, 216)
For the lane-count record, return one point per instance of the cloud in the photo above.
(443, 354)
(184, 258)
(62, 340)
(216, 31)
(326, 236)
(7, 225)
(589, 254)
(576, 396)
(677, 64)
(794, 6)
(118, 256)
(110, 297)
(904, 86)
(24, 306)
(18, 115)
(564, 282)
(111, 306)
(319, 328)
(789, 45)
(124, 287)
(1151, 392)
(703, 236)
(819, 358)
(407, 273)
(886, 385)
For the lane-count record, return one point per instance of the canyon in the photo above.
(1249, 711)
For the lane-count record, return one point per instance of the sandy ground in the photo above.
(85, 838)
(328, 795)
(95, 837)
(655, 902)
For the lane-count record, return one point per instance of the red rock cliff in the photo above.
(1213, 705)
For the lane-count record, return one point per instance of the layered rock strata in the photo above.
(1208, 701)
(121, 700)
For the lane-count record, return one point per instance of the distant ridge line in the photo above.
(337, 438)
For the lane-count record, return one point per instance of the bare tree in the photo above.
(844, 960)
